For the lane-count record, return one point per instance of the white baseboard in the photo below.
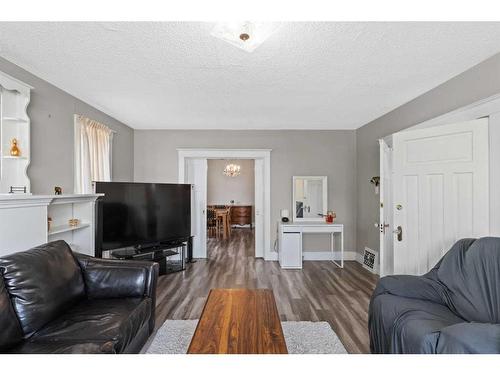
(271, 256)
(323, 255)
(327, 255)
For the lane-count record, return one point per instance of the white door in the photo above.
(196, 174)
(440, 191)
(386, 219)
(259, 208)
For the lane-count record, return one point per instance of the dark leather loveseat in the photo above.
(454, 308)
(55, 301)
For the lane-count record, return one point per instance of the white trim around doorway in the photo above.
(254, 154)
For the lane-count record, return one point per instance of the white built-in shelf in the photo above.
(66, 228)
(23, 221)
(16, 119)
(13, 157)
(14, 123)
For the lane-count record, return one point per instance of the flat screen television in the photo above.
(141, 214)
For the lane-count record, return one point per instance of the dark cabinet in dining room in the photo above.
(241, 215)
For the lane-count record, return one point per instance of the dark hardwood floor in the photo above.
(319, 292)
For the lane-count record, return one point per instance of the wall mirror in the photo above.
(310, 198)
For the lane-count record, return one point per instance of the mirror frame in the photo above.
(324, 179)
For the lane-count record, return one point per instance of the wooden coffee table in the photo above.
(239, 321)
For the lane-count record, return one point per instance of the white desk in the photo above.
(290, 241)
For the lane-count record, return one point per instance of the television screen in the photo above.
(141, 214)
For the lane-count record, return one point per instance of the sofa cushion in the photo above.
(471, 273)
(10, 330)
(42, 283)
(114, 320)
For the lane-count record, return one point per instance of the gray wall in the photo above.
(330, 153)
(223, 189)
(349, 158)
(479, 82)
(51, 112)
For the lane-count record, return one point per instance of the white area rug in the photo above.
(174, 337)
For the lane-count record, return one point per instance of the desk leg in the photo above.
(342, 248)
(341, 265)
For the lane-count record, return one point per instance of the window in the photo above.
(93, 142)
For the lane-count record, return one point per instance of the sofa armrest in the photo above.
(408, 286)
(110, 278)
(475, 338)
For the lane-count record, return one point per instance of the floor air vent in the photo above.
(370, 259)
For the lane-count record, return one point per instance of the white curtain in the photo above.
(93, 142)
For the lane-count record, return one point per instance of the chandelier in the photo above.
(232, 170)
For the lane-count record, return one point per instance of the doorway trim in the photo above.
(220, 153)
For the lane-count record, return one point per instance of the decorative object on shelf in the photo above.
(232, 170)
(14, 149)
(376, 182)
(57, 190)
(284, 213)
(330, 217)
(73, 222)
(49, 223)
(17, 189)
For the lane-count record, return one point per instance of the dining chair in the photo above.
(212, 225)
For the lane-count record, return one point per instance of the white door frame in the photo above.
(385, 214)
(194, 175)
(263, 154)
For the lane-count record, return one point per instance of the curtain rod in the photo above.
(112, 130)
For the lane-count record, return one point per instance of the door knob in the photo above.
(399, 232)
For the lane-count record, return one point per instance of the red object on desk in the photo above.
(329, 217)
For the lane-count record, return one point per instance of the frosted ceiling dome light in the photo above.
(245, 35)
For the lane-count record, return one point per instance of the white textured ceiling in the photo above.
(306, 76)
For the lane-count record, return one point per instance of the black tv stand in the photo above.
(170, 255)
(189, 258)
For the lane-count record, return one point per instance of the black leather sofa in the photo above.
(454, 308)
(55, 301)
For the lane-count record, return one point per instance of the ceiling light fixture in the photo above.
(232, 170)
(245, 35)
